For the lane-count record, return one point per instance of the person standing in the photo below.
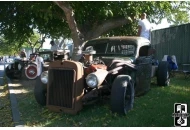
(54, 47)
(23, 54)
(144, 27)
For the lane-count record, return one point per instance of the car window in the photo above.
(99, 47)
(121, 48)
(46, 57)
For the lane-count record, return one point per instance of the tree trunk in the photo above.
(75, 33)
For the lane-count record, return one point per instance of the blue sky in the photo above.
(47, 45)
(163, 24)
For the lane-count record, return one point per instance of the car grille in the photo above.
(61, 82)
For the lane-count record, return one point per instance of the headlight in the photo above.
(95, 79)
(91, 80)
(44, 77)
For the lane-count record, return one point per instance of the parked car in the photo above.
(15, 69)
(23, 68)
(118, 67)
(30, 70)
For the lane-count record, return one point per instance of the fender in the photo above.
(39, 63)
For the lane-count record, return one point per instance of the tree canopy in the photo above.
(83, 20)
(7, 48)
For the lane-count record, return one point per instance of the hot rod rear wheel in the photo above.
(163, 78)
(31, 71)
(122, 94)
(40, 92)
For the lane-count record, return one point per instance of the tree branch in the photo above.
(42, 42)
(106, 26)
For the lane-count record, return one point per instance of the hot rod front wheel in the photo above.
(122, 94)
(40, 91)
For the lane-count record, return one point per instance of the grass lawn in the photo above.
(153, 109)
(5, 109)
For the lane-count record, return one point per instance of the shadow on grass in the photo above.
(153, 109)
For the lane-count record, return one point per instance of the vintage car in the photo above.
(15, 69)
(23, 68)
(116, 67)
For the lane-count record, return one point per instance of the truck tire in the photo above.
(163, 78)
(40, 92)
(122, 95)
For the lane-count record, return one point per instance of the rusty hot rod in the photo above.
(118, 67)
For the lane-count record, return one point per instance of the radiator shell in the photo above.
(65, 86)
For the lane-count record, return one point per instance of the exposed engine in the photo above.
(99, 75)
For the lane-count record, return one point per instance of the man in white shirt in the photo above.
(144, 27)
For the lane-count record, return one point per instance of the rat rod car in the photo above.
(116, 67)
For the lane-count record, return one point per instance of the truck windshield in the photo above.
(113, 48)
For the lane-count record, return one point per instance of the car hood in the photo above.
(108, 60)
